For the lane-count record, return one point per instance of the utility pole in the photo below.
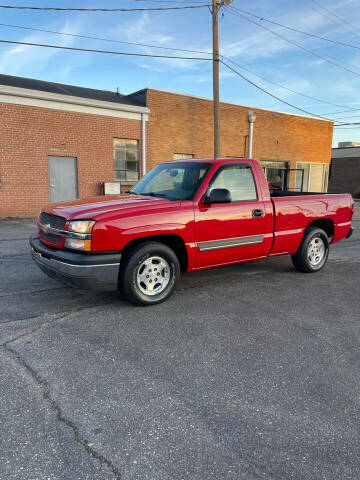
(216, 5)
(215, 28)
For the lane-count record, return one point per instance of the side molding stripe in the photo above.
(230, 242)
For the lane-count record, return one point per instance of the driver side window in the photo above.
(239, 180)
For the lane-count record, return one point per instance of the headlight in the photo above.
(81, 226)
(84, 228)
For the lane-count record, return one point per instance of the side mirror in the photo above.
(218, 195)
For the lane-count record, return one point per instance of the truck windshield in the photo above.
(178, 181)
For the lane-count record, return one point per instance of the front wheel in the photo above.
(313, 251)
(149, 274)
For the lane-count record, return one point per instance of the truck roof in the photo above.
(221, 159)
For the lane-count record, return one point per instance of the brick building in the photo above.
(59, 141)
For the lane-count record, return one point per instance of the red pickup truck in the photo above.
(183, 216)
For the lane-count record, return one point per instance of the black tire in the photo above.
(301, 258)
(132, 262)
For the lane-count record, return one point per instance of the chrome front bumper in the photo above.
(88, 272)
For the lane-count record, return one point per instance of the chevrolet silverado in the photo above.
(183, 216)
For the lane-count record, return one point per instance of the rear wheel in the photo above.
(313, 251)
(149, 274)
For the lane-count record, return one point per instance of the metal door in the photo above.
(63, 179)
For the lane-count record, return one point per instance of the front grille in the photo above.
(53, 220)
(50, 237)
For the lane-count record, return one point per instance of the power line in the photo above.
(186, 2)
(177, 57)
(102, 51)
(330, 14)
(159, 56)
(341, 20)
(234, 12)
(282, 86)
(283, 101)
(164, 56)
(104, 39)
(345, 118)
(296, 30)
(357, 125)
(17, 7)
(300, 46)
(343, 111)
(352, 123)
(173, 49)
(272, 95)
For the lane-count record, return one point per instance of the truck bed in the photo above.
(287, 193)
(295, 211)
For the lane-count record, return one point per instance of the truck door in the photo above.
(239, 230)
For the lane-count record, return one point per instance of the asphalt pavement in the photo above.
(247, 372)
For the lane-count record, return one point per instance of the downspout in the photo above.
(143, 143)
(251, 119)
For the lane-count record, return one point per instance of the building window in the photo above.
(275, 173)
(302, 176)
(312, 177)
(181, 156)
(126, 159)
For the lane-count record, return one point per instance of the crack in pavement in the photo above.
(57, 316)
(47, 389)
(26, 292)
(66, 312)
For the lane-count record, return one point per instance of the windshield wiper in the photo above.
(131, 192)
(153, 194)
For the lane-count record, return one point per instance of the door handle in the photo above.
(52, 185)
(258, 212)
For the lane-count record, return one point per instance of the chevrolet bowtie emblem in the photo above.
(46, 228)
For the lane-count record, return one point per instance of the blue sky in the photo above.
(243, 42)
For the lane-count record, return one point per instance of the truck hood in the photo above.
(98, 207)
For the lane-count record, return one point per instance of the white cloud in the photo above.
(143, 30)
(146, 30)
(18, 59)
(251, 46)
(256, 43)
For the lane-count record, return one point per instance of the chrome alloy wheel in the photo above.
(153, 275)
(316, 251)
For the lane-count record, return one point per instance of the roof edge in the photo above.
(345, 148)
(140, 96)
(64, 98)
(239, 104)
